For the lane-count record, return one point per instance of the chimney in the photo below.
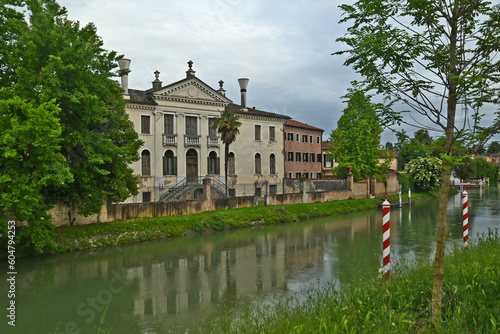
(243, 88)
(221, 90)
(190, 73)
(157, 83)
(124, 64)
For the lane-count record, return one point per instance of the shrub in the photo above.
(425, 171)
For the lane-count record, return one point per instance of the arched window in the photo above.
(258, 164)
(213, 163)
(169, 163)
(231, 165)
(146, 163)
(272, 164)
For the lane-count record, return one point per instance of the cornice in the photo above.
(262, 118)
(139, 106)
(189, 100)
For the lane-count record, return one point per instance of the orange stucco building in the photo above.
(303, 154)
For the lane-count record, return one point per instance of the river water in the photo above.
(175, 283)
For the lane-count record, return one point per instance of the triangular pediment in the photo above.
(191, 90)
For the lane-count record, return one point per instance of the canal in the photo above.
(171, 284)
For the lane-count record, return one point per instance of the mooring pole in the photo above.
(465, 211)
(409, 196)
(400, 201)
(386, 212)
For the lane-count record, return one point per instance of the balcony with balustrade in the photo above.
(190, 140)
(169, 140)
(213, 141)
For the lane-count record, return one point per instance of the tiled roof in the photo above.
(253, 111)
(141, 96)
(297, 124)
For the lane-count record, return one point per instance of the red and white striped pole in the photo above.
(386, 212)
(465, 206)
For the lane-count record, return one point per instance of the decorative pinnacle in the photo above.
(190, 64)
(221, 83)
(157, 74)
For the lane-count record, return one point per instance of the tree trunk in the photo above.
(226, 158)
(437, 286)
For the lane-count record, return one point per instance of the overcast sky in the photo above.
(283, 47)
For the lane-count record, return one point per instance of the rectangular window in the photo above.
(191, 126)
(312, 176)
(212, 127)
(168, 124)
(146, 124)
(312, 156)
(272, 133)
(232, 192)
(258, 191)
(304, 138)
(319, 157)
(290, 175)
(290, 136)
(306, 175)
(146, 196)
(317, 140)
(257, 132)
(305, 155)
(273, 189)
(319, 175)
(290, 156)
(297, 175)
(311, 139)
(297, 156)
(298, 137)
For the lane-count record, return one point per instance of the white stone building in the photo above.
(182, 147)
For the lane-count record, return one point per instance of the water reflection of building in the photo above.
(193, 284)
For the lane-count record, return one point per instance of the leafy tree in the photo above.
(493, 148)
(466, 169)
(30, 163)
(228, 126)
(356, 140)
(425, 172)
(50, 59)
(411, 148)
(430, 55)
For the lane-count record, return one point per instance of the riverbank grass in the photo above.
(471, 302)
(70, 238)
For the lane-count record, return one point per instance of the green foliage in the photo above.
(60, 103)
(356, 141)
(493, 148)
(425, 172)
(406, 182)
(31, 163)
(475, 168)
(494, 174)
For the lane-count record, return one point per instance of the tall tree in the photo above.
(228, 125)
(50, 59)
(356, 140)
(431, 56)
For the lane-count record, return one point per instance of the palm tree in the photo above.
(228, 127)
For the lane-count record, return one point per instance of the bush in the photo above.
(425, 172)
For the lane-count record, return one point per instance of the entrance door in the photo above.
(192, 166)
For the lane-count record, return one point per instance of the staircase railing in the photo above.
(182, 184)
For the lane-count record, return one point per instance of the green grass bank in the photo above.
(71, 238)
(471, 302)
